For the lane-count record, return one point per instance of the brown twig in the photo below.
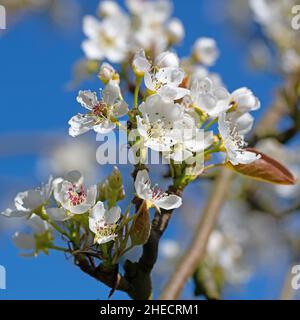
(196, 252)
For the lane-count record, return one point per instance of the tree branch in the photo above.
(196, 252)
(139, 274)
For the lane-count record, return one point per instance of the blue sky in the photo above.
(36, 63)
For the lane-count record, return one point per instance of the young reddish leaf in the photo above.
(141, 226)
(265, 169)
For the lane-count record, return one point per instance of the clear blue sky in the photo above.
(36, 62)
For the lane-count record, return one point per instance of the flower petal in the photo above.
(24, 241)
(111, 93)
(112, 215)
(58, 214)
(87, 99)
(169, 202)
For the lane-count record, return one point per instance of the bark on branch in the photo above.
(196, 252)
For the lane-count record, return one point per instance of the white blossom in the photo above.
(166, 82)
(101, 113)
(210, 99)
(189, 139)
(243, 100)
(156, 126)
(26, 241)
(109, 8)
(30, 201)
(103, 222)
(234, 143)
(154, 196)
(73, 197)
(107, 72)
(150, 25)
(175, 30)
(107, 39)
(224, 251)
(205, 51)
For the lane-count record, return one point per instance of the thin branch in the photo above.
(196, 252)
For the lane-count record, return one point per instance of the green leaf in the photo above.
(141, 226)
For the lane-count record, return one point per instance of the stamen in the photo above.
(77, 195)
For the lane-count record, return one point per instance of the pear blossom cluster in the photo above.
(63, 200)
(58, 202)
(177, 107)
(116, 34)
(276, 18)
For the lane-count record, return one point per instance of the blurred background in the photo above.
(252, 248)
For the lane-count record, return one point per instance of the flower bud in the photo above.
(107, 73)
(205, 51)
(140, 63)
(175, 30)
(108, 8)
(167, 59)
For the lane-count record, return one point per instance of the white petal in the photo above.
(107, 239)
(91, 195)
(87, 99)
(244, 157)
(140, 62)
(98, 211)
(180, 154)
(75, 177)
(80, 209)
(120, 109)
(80, 124)
(169, 75)
(91, 26)
(244, 123)
(200, 142)
(92, 50)
(38, 225)
(111, 93)
(142, 184)
(14, 213)
(172, 92)
(104, 127)
(24, 241)
(112, 215)
(58, 214)
(167, 59)
(169, 202)
(149, 83)
(28, 200)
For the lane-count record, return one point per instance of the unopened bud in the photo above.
(205, 51)
(108, 8)
(175, 30)
(107, 73)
